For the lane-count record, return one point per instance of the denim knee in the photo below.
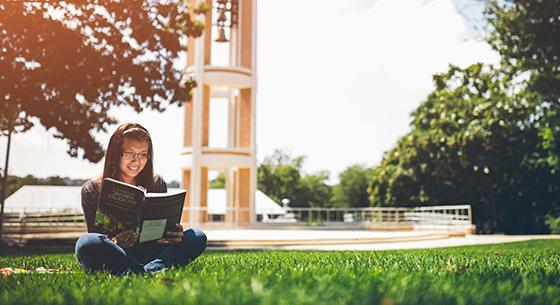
(97, 252)
(178, 255)
(196, 237)
(87, 246)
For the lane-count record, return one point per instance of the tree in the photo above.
(525, 33)
(314, 190)
(352, 189)
(281, 176)
(15, 182)
(489, 135)
(473, 140)
(64, 64)
(219, 182)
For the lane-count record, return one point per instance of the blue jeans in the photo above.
(97, 252)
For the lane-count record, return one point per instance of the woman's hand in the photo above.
(125, 239)
(172, 237)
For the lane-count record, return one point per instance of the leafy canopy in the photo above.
(525, 33)
(352, 189)
(281, 176)
(66, 63)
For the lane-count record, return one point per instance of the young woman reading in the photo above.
(129, 158)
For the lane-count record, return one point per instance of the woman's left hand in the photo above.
(172, 237)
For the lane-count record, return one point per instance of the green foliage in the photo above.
(518, 273)
(65, 65)
(525, 34)
(15, 183)
(553, 223)
(281, 176)
(473, 140)
(352, 189)
(314, 190)
(219, 182)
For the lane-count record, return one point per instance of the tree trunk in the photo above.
(5, 184)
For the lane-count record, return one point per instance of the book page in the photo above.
(164, 205)
(152, 229)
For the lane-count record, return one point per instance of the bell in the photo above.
(221, 35)
(222, 18)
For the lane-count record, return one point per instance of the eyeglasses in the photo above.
(131, 156)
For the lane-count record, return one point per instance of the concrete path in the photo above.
(254, 238)
(321, 239)
(352, 239)
(299, 234)
(425, 244)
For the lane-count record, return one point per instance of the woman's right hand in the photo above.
(125, 239)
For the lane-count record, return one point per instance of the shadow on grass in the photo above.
(35, 250)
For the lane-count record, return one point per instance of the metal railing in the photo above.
(417, 217)
(456, 215)
(344, 215)
(442, 215)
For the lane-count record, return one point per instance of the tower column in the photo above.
(226, 22)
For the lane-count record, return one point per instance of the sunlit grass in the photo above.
(519, 273)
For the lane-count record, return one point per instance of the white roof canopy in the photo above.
(47, 198)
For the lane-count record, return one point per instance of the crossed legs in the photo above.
(97, 252)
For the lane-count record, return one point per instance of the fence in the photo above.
(432, 217)
(19, 226)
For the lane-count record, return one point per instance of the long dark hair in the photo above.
(131, 131)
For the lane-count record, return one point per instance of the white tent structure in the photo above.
(57, 199)
(44, 198)
(263, 203)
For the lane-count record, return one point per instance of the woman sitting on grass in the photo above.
(129, 159)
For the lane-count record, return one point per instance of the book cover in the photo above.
(118, 206)
(126, 207)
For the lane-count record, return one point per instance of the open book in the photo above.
(124, 207)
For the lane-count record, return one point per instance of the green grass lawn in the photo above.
(517, 273)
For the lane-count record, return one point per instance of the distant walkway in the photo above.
(352, 239)
(255, 238)
(468, 240)
(316, 239)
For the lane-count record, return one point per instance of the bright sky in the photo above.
(337, 81)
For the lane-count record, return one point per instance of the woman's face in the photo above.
(133, 159)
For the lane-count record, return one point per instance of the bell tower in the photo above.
(223, 63)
